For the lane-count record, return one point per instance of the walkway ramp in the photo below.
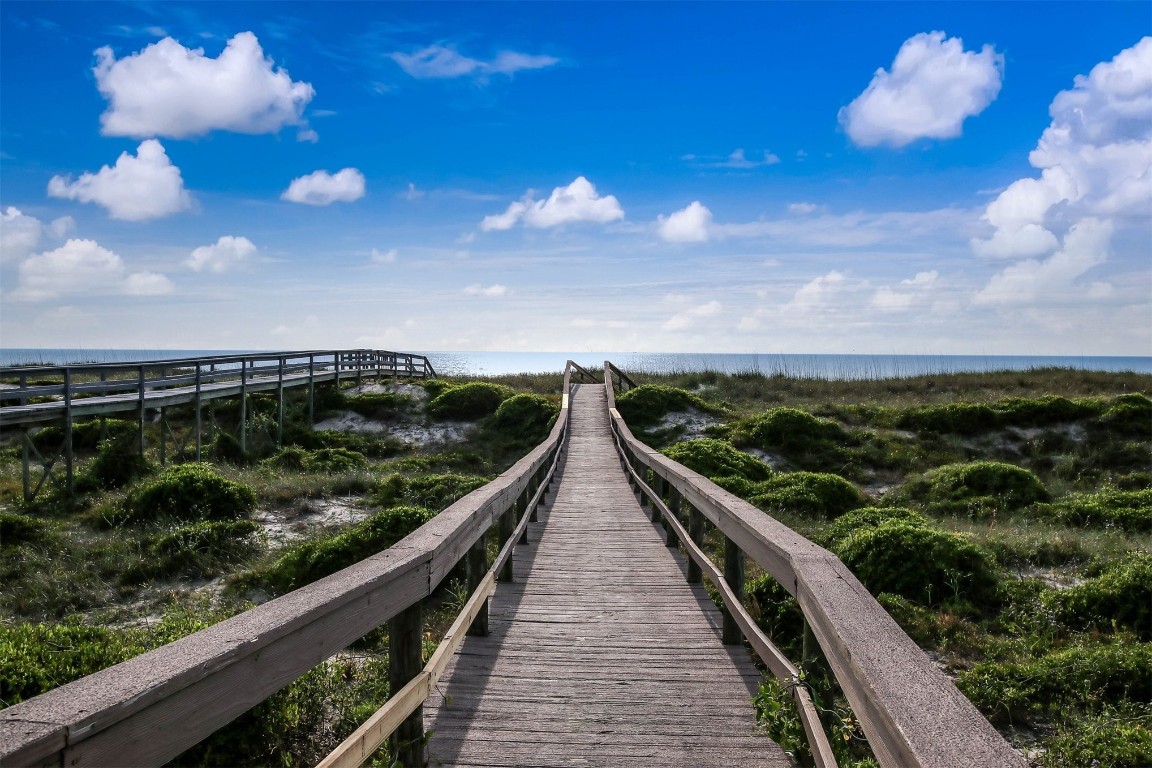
(599, 653)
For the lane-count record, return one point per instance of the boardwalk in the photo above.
(599, 652)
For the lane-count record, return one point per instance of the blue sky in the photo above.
(951, 178)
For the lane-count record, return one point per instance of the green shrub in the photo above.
(189, 492)
(448, 461)
(1111, 738)
(716, 458)
(118, 463)
(953, 418)
(524, 418)
(35, 658)
(428, 491)
(648, 403)
(16, 529)
(225, 447)
(86, 435)
(978, 484)
(777, 613)
(919, 563)
(379, 405)
(1120, 597)
(196, 551)
(468, 402)
(312, 560)
(809, 493)
(1044, 411)
(789, 430)
(1108, 508)
(291, 457)
(869, 517)
(1130, 415)
(1080, 676)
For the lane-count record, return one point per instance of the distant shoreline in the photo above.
(816, 366)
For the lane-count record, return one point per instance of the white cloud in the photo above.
(910, 293)
(323, 188)
(933, 87)
(384, 257)
(689, 317)
(442, 62)
(802, 209)
(491, 291)
(576, 202)
(19, 234)
(1095, 160)
(83, 267)
(62, 227)
(226, 253)
(736, 159)
(688, 225)
(146, 186)
(169, 90)
(1085, 246)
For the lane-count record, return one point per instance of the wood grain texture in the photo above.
(598, 653)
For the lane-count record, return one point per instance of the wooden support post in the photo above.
(696, 533)
(734, 575)
(163, 440)
(25, 443)
(140, 413)
(662, 489)
(280, 405)
(405, 661)
(808, 648)
(534, 514)
(243, 407)
(507, 526)
(199, 417)
(69, 456)
(674, 507)
(521, 508)
(476, 564)
(311, 390)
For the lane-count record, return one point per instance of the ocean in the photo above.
(844, 367)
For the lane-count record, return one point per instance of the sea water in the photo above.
(844, 367)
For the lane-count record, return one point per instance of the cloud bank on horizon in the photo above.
(911, 212)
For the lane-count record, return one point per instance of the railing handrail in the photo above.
(911, 713)
(152, 707)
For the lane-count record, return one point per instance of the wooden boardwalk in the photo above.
(599, 653)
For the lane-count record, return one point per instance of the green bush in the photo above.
(868, 517)
(789, 430)
(777, 613)
(35, 658)
(468, 402)
(428, 491)
(524, 417)
(716, 458)
(808, 493)
(1080, 676)
(86, 435)
(379, 405)
(189, 492)
(919, 563)
(648, 403)
(312, 560)
(985, 485)
(1129, 415)
(196, 551)
(1108, 508)
(1119, 598)
(1110, 738)
(118, 463)
(16, 529)
(953, 418)
(1044, 411)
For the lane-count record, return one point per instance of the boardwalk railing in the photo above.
(149, 709)
(35, 395)
(910, 711)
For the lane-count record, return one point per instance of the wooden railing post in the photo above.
(674, 509)
(696, 533)
(69, 456)
(405, 661)
(734, 575)
(507, 526)
(522, 507)
(663, 490)
(476, 564)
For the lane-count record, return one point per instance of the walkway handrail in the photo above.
(613, 374)
(150, 708)
(912, 714)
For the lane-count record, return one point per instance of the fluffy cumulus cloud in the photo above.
(1054, 279)
(323, 188)
(1094, 158)
(384, 257)
(169, 90)
(20, 234)
(137, 188)
(934, 85)
(489, 291)
(909, 294)
(687, 319)
(226, 253)
(83, 267)
(688, 225)
(576, 202)
(442, 62)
